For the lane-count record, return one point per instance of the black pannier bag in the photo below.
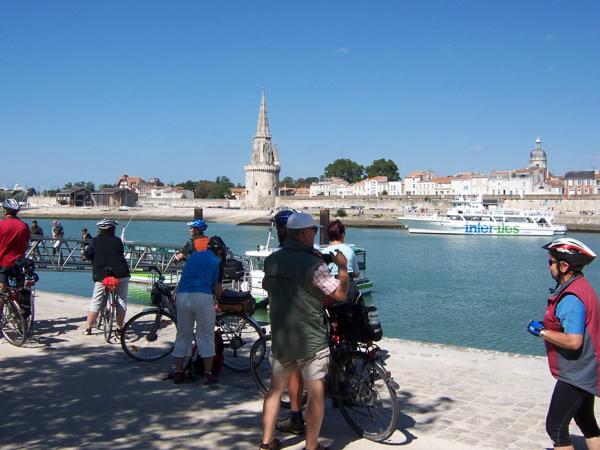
(240, 302)
(157, 292)
(357, 322)
(233, 270)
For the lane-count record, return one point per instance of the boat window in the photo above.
(257, 263)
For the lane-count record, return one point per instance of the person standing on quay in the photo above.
(106, 250)
(296, 280)
(571, 331)
(37, 234)
(14, 240)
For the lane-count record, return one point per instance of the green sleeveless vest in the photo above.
(295, 304)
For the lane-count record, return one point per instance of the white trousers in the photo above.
(195, 308)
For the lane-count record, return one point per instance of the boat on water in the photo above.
(468, 216)
(254, 260)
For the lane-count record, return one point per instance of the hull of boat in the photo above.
(421, 225)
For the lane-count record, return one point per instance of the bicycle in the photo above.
(150, 334)
(17, 312)
(108, 307)
(357, 382)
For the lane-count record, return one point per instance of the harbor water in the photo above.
(473, 291)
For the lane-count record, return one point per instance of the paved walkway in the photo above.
(66, 390)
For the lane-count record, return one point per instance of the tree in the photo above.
(288, 181)
(80, 184)
(188, 185)
(383, 168)
(345, 169)
(107, 186)
(31, 192)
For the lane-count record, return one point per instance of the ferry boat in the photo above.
(254, 269)
(466, 216)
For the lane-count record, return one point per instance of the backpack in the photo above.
(217, 365)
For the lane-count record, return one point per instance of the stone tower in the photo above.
(262, 174)
(538, 159)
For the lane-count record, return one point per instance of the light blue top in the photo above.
(348, 253)
(571, 313)
(200, 273)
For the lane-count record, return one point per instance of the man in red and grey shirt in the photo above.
(14, 239)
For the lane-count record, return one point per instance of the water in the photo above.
(460, 290)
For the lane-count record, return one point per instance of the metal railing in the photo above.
(67, 255)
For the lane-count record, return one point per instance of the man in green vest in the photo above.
(297, 280)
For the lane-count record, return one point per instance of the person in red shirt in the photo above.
(14, 239)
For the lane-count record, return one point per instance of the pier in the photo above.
(67, 255)
(66, 390)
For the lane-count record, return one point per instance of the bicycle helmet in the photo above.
(575, 252)
(107, 224)
(199, 224)
(56, 223)
(11, 203)
(282, 216)
(215, 243)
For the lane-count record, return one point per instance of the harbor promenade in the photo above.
(66, 390)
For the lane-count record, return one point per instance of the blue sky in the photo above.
(91, 90)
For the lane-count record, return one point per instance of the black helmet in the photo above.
(575, 252)
(216, 244)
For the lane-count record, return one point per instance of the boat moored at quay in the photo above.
(472, 217)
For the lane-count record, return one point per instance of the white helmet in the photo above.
(575, 252)
(107, 224)
(11, 203)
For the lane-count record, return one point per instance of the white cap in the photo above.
(299, 221)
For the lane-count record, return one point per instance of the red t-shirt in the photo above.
(14, 240)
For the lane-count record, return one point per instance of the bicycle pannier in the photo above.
(238, 302)
(233, 270)
(357, 322)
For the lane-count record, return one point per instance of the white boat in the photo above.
(467, 216)
(254, 268)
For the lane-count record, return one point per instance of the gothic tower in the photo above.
(262, 174)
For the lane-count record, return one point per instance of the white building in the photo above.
(169, 192)
(329, 187)
(395, 188)
(373, 187)
(419, 183)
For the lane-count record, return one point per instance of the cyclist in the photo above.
(14, 240)
(198, 241)
(106, 250)
(336, 231)
(196, 309)
(296, 279)
(571, 332)
(294, 423)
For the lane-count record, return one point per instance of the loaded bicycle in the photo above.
(150, 334)
(107, 313)
(357, 382)
(17, 303)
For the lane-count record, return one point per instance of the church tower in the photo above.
(538, 159)
(262, 174)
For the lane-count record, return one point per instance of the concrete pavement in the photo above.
(66, 390)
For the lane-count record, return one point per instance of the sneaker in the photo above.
(211, 379)
(178, 376)
(87, 331)
(290, 426)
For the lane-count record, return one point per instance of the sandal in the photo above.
(274, 445)
(87, 332)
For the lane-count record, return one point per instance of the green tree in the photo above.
(345, 169)
(107, 186)
(188, 185)
(80, 184)
(288, 181)
(383, 168)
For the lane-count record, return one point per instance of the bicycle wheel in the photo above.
(13, 323)
(260, 369)
(365, 397)
(109, 315)
(239, 333)
(26, 304)
(149, 335)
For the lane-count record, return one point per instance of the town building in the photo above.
(582, 182)
(329, 187)
(262, 174)
(127, 182)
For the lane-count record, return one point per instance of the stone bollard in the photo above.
(323, 221)
(198, 213)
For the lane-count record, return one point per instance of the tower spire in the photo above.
(262, 125)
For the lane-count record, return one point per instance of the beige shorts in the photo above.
(312, 368)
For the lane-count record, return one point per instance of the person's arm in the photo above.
(88, 252)
(329, 285)
(567, 341)
(217, 282)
